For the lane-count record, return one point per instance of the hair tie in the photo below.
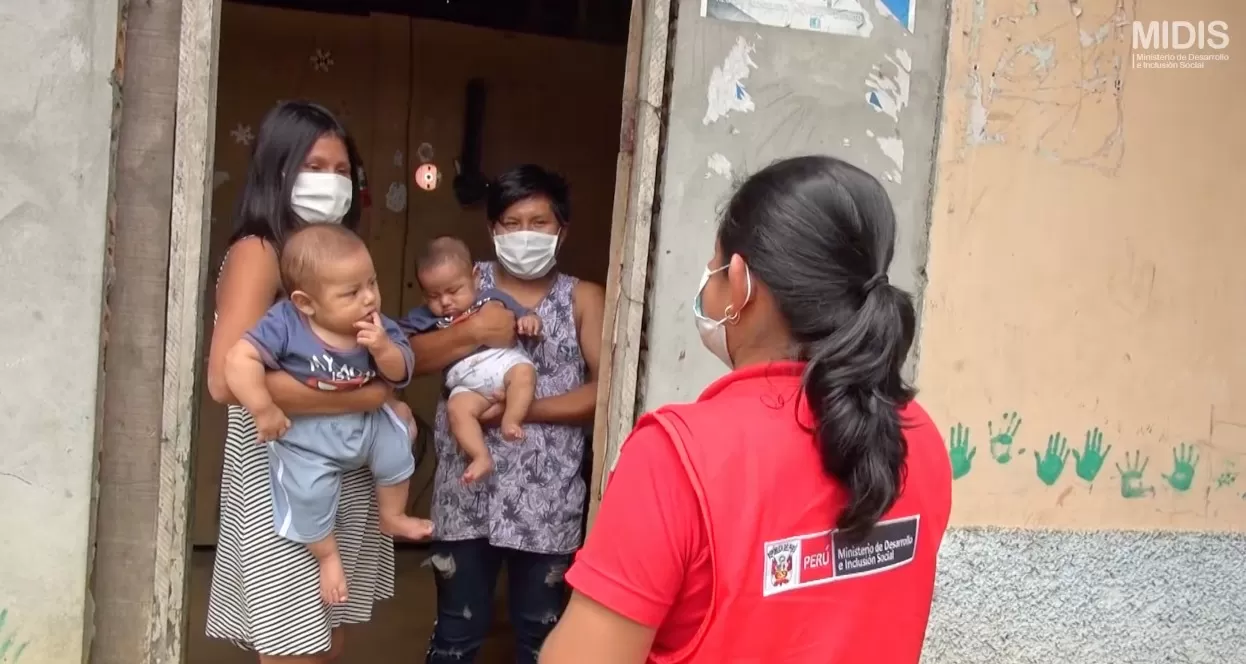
(874, 282)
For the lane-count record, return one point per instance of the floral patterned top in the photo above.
(534, 499)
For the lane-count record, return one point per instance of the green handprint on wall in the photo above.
(1051, 464)
(1131, 477)
(1183, 463)
(1227, 478)
(959, 451)
(1002, 442)
(10, 649)
(1090, 460)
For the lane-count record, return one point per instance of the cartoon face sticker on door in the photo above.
(427, 175)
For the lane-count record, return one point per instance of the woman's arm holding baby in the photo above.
(493, 326)
(247, 287)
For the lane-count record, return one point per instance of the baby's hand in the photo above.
(529, 326)
(270, 423)
(372, 334)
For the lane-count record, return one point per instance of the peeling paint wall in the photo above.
(55, 133)
(1081, 335)
(745, 94)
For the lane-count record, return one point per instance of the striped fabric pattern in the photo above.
(265, 593)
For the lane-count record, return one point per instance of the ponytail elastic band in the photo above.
(874, 282)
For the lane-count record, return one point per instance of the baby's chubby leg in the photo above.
(464, 410)
(332, 574)
(391, 504)
(520, 385)
(392, 465)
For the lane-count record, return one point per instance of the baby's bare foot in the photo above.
(512, 431)
(407, 527)
(332, 581)
(477, 469)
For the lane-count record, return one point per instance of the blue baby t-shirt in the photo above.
(421, 319)
(287, 343)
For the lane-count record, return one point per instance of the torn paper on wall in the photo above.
(718, 165)
(889, 91)
(836, 17)
(726, 93)
(903, 11)
(893, 148)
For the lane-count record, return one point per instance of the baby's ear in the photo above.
(475, 273)
(303, 302)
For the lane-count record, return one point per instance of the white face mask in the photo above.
(714, 332)
(526, 254)
(319, 198)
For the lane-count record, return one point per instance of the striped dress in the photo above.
(265, 593)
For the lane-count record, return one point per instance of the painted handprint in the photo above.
(1183, 463)
(1049, 465)
(1002, 442)
(1131, 477)
(1227, 477)
(959, 451)
(10, 648)
(1090, 461)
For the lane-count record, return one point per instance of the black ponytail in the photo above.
(820, 234)
(854, 386)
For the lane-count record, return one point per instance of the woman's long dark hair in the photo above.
(820, 234)
(286, 135)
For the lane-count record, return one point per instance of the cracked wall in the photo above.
(1081, 336)
(56, 115)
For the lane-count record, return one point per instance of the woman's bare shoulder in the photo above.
(249, 255)
(250, 263)
(588, 294)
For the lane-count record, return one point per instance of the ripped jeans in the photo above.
(466, 573)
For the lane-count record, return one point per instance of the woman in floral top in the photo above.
(528, 512)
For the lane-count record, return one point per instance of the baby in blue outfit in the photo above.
(330, 335)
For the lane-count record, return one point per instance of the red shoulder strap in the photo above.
(680, 434)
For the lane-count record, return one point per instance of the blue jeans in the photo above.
(466, 573)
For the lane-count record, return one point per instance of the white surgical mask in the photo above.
(526, 254)
(714, 332)
(321, 197)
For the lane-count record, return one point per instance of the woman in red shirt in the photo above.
(793, 513)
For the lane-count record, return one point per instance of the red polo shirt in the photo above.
(717, 530)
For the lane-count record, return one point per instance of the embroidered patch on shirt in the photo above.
(818, 558)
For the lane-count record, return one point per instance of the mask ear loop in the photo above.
(730, 313)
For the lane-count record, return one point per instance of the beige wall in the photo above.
(1085, 272)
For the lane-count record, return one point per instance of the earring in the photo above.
(730, 314)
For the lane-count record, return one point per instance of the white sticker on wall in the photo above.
(321, 60)
(396, 197)
(242, 134)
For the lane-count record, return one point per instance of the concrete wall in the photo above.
(745, 95)
(55, 119)
(1084, 277)
(1083, 242)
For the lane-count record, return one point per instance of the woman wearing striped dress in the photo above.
(265, 594)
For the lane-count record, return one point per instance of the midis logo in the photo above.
(1181, 35)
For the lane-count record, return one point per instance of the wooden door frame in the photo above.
(641, 139)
